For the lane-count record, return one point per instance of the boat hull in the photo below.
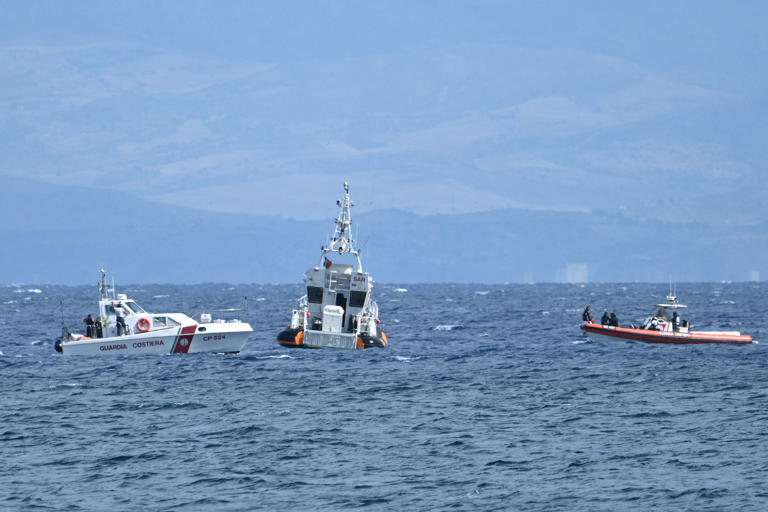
(605, 332)
(215, 337)
(298, 338)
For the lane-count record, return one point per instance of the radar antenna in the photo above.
(342, 242)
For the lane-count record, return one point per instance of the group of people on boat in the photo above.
(653, 325)
(94, 327)
(660, 316)
(607, 319)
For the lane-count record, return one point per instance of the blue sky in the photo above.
(652, 108)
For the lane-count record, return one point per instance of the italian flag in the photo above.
(328, 263)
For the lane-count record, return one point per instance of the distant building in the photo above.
(754, 275)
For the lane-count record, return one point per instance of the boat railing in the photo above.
(227, 315)
(330, 282)
(373, 309)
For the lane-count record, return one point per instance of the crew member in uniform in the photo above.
(121, 327)
(675, 321)
(89, 325)
(99, 328)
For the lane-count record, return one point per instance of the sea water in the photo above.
(487, 398)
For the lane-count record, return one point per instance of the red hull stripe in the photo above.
(679, 338)
(184, 341)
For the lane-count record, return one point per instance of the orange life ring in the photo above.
(143, 325)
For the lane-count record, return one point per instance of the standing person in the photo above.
(89, 325)
(587, 316)
(614, 320)
(121, 327)
(675, 321)
(99, 329)
(606, 319)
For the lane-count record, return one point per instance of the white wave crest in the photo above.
(445, 327)
(401, 290)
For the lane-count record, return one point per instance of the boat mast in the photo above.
(104, 287)
(342, 241)
(64, 329)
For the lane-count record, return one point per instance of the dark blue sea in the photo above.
(487, 398)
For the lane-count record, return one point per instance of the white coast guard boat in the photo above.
(337, 310)
(660, 327)
(123, 327)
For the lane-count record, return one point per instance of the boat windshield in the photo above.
(134, 307)
(662, 314)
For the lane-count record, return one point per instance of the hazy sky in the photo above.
(430, 107)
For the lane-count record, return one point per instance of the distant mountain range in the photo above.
(64, 234)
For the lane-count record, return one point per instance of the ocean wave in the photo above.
(65, 385)
(447, 327)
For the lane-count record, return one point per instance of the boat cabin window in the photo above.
(357, 299)
(164, 321)
(662, 314)
(109, 309)
(315, 294)
(134, 307)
